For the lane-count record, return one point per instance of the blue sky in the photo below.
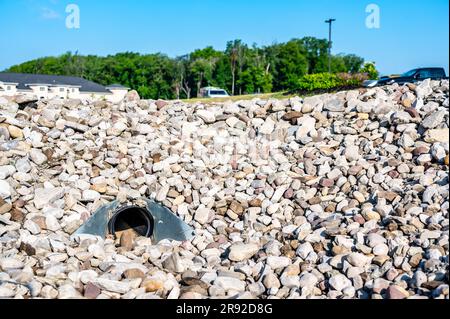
(413, 33)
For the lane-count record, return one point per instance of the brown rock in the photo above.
(133, 273)
(40, 221)
(236, 207)
(369, 215)
(294, 243)
(127, 239)
(15, 132)
(101, 188)
(414, 261)
(394, 174)
(314, 201)
(191, 281)
(326, 182)
(152, 285)
(396, 292)
(446, 160)
(390, 196)
(363, 116)
(392, 226)
(17, 215)
(407, 103)
(4, 206)
(19, 203)
(156, 158)
(194, 289)
(412, 111)
(421, 150)
(91, 291)
(160, 104)
(431, 285)
(293, 115)
(380, 260)
(331, 208)
(255, 202)
(289, 193)
(48, 152)
(339, 250)
(354, 170)
(27, 248)
(359, 219)
(292, 270)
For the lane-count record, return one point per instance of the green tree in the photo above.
(316, 54)
(370, 69)
(353, 63)
(239, 68)
(291, 65)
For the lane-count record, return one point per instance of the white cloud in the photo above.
(49, 14)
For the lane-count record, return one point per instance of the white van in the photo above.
(212, 92)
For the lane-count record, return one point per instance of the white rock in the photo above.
(357, 259)
(306, 126)
(52, 223)
(267, 127)
(6, 171)
(10, 263)
(202, 215)
(352, 153)
(304, 249)
(5, 189)
(307, 280)
(240, 251)
(112, 285)
(207, 116)
(44, 196)
(6, 292)
(339, 282)
(230, 283)
(37, 156)
(32, 227)
(278, 262)
(90, 195)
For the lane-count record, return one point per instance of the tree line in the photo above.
(240, 68)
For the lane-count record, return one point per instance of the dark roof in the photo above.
(117, 86)
(24, 78)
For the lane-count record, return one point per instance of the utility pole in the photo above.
(330, 22)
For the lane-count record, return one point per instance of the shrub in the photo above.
(327, 81)
(370, 69)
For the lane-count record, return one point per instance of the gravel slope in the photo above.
(335, 196)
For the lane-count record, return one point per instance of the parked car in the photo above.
(213, 92)
(412, 76)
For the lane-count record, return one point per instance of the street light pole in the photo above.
(330, 22)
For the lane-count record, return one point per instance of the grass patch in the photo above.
(265, 96)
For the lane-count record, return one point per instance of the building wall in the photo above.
(45, 92)
(39, 91)
(12, 89)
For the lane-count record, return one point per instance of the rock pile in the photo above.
(334, 196)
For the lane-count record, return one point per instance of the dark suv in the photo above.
(409, 77)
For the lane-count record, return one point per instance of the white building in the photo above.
(42, 86)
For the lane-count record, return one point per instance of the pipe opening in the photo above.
(131, 217)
